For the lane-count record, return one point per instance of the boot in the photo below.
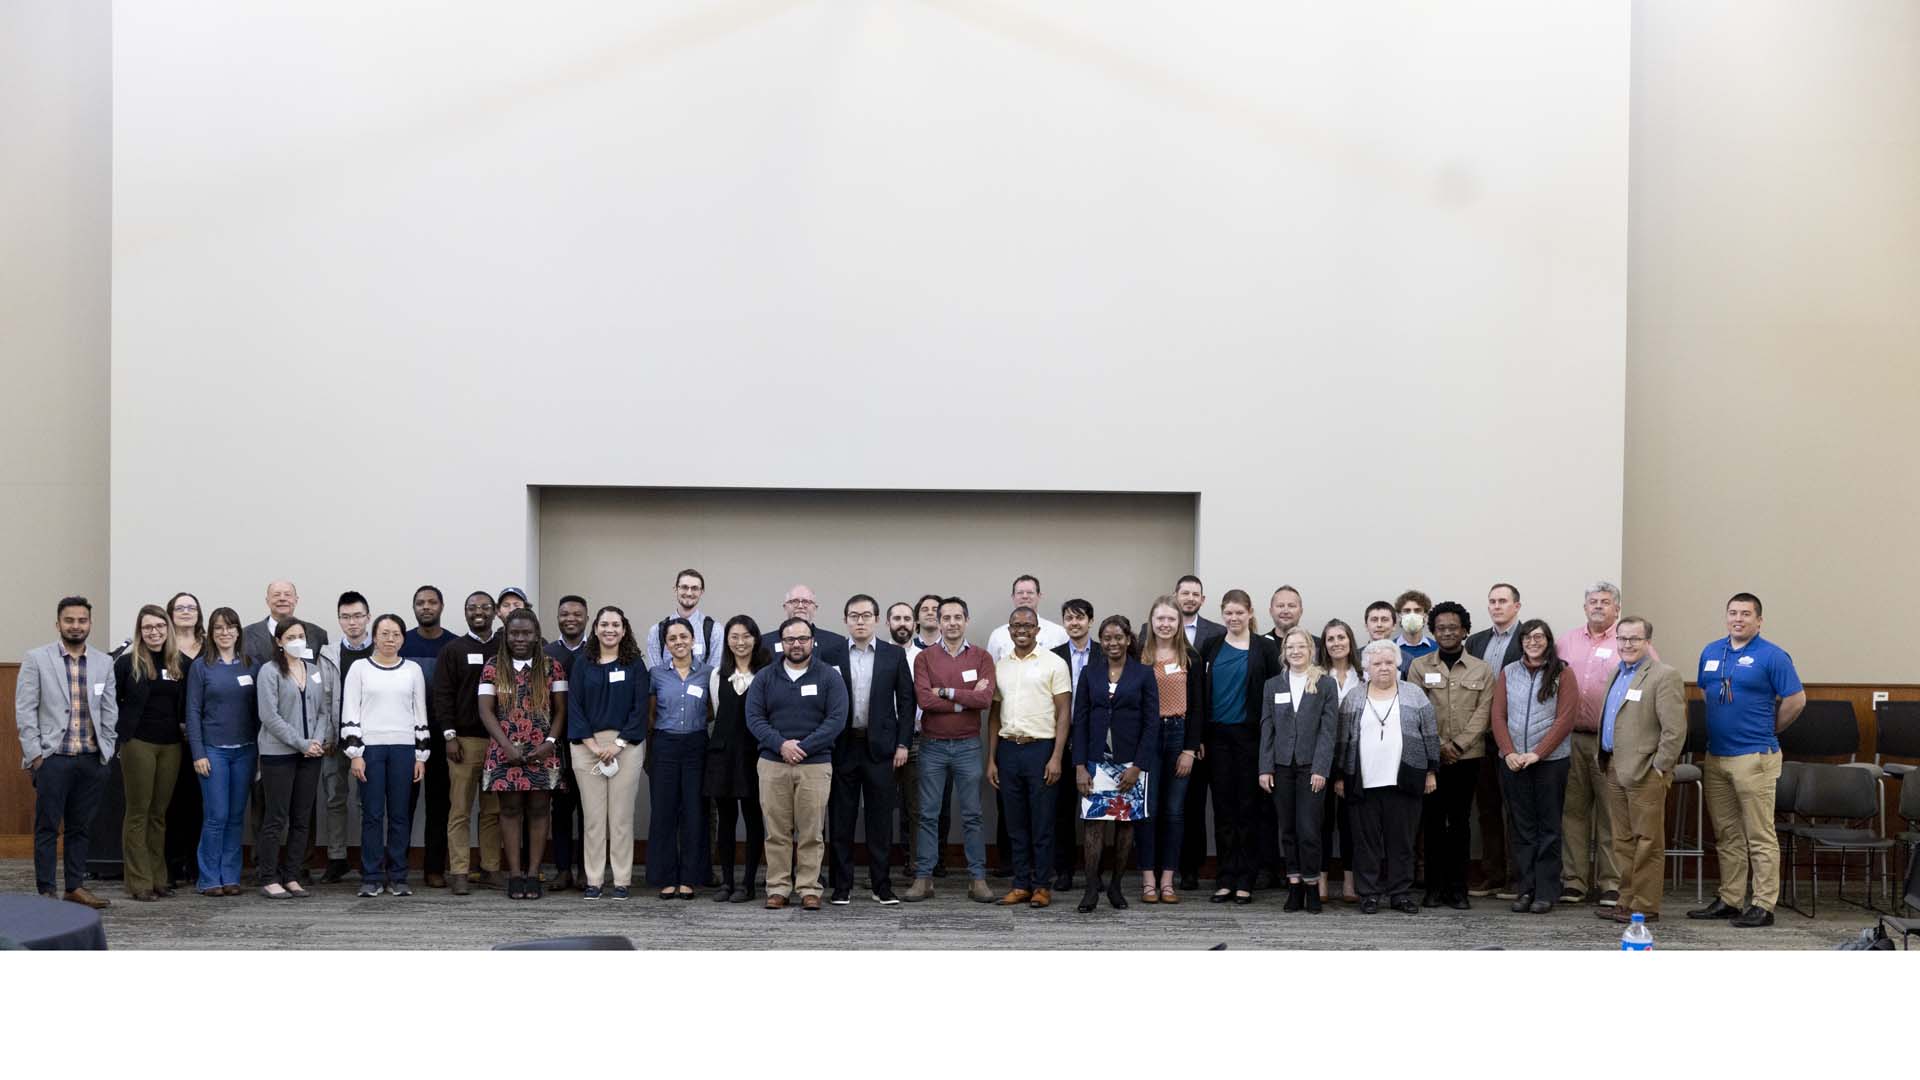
(1115, 897)
(1091, 898)
(1296, 897)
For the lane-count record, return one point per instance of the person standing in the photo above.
(926, 635)
(1389, 749)
(689, 586)
(676, 760)
(1175, 732)
(1592, 654)
(570, 618)
(1237, 665)
(1534, 705)
(1460, 687)
(1340, 655)
(1026, 736)
(456, 696)
(1115, 707)
(795, 710)
(732, 777)
(900, 623)
(953, 685)
(1026, 593)
(184, 813)
(383, 722)
(256, 639)
(295, 699)
(1379, 620)
(1498, 645)
(151, 694)
(423, 646)
(336, 771)
(523, 706)
(873, 744)
(66, 708)
(606, 730)
(223, 724)
(1190, 595)
(828, 647)
(1643, 728)
(1412, 607)
(1299, 719)
(1752, 693)
(1076, 616)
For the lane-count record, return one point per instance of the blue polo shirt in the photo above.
(1756, 678)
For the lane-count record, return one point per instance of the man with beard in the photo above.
(689, 586)
(1189, 595)
(67, 715)
(926, 631)
(900, 623)
(571, 621)
(455, 696)
(422, 646)
(796, 709)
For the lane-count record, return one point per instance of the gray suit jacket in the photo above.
(257, 641)
(41, 710)
(1298, 732)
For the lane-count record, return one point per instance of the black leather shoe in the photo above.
(1090, 899)
(1523, 904)
(1406, 906)
(1312, 896)
(1541, 907)
(1429, 899)
(723, 894)
(1116, 898)
(1459, 902)
(1296, 897)
(336, 870)
(1370, 906)
(1719, 909)
(1754, 916)
(1189, 882)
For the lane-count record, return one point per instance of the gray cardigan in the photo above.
(1298, 732)
(285, 728)
(41, 708)
(1419, 732)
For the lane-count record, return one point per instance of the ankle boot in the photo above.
(1115, 897)
(1296, 896)
(1091, 899)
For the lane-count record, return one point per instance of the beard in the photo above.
(902, 635)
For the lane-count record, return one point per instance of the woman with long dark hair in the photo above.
(523, 705)
(1238, 663)
(1535, 700)
(732, 777)
(607, 726)
(223, 722)
(1340, 656)
(150, 687)
(676, 761)
(184, 815)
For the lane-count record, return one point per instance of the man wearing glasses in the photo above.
(874, 743)
(1643, 726)
(1752, 693)
(795, 710)
(830, 647)
(1586, 834)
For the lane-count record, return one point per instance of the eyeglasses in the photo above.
(862, 616)
(186, 609)
(1624, 640)
(795, 640)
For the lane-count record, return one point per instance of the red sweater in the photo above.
(933, 670)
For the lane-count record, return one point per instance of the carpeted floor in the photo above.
(433, 919)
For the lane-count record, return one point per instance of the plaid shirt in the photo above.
(78, 738)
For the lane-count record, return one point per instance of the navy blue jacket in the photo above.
(889, 704)
(780, 708)
(595, 702)
(1130, 715)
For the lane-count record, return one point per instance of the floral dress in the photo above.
(525, 728)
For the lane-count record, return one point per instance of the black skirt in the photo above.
(733, 772)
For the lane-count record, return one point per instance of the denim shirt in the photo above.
(680, 705)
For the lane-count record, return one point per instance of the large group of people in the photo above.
(1106, 745)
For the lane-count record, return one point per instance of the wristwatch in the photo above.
(448, 735)
(621, 743)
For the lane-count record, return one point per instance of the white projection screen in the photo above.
(1351, 276)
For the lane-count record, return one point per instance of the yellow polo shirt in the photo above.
(1025, 689)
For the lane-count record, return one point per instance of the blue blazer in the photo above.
(1128, 719)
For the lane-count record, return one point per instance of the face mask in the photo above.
(297, 650)
(1413, 622)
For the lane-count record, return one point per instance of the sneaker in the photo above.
(1610, 898)
(842, 897)
(620, 892)
(399, 889)
(370, 888)
(1571, 895)
(591, 892)
(883, 894)
(1482, 890)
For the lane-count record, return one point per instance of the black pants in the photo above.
(1299, 809)
(567, 816)
(1385, 820)
(184, 817)
(1447, 813)
(1536, 796)
(856, 780)
(66, 791)
(1193, 831)
(747, 809)
(1236, 815)
(1266, 850)
(438, 788)
(1066, 818)
(286, 822)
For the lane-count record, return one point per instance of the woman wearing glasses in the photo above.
(183, 816)
(1534, 703)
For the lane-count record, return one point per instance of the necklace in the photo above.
(1381, 717)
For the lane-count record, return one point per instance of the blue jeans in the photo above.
(677, 821)
(1157, 840)
(963, 760)
(1028, 799)
(223, 799)
(386, 801)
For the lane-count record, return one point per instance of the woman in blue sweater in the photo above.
(222, 725)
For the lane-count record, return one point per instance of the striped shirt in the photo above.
(78, 737)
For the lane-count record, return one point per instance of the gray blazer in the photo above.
(41, 709)
(257, 641)
(1298, 732)
(282, 721)
(1419, 731)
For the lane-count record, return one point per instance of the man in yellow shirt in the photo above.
(1026, 737)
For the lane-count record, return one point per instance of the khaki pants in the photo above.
(463, 778)
(148, 771)
(794, 800)
(1584, 816)
(1739, 791)
(607, 806)
(1637, 816)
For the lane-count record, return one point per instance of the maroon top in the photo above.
(933, 670)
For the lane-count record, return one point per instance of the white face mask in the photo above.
(297, 648)
(1413, 622)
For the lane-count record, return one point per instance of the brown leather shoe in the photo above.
(457, 884)
(1149, 895)
(809, 903)
(776, 901)
(1014, 898)
(1168, 896)
(436, 881)
(231, 890)
(82, 896)
(1042, 898)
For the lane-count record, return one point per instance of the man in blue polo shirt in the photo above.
(1752, 693)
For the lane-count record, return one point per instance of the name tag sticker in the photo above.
(1603, 653)
(701, 691)
(970, 675)
(1633, 695)
(809, 691)
(101, 688)
(245, 680)
(1171, 668)
(165, 675)
(1282, 699)
(617, 676)
(316, 676)
(1434, 679)
(1712, 665)
(476, 659)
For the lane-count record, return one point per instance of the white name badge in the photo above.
(316, 676)
(617, 676)
(836, 669)
(809, 691)
(1712, 665)
(1171, 669)
(165, 675)
(1603, 653)
(970, 675)
(1282, 699)
(701, 691)
(476, 659)
(101, 688)
(245, 680)
(1633, 695)
(1434, 679)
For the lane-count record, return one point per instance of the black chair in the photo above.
(1910, 901)
(1896, 734)
(1835, 801)
(583, 943)
(1910, 839)
(1784, 791)
(1681, 844)
(1824, 729)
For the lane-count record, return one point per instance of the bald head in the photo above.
(799, 603)
(282, 598)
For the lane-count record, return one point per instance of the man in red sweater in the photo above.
(953, 686)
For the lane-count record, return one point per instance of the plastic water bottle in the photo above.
(1636, 937)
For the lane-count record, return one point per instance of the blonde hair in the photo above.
(1314, 670)
(143, 669)
(1150, 643)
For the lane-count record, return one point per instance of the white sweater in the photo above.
(384, 707)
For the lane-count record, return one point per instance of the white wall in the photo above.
(437, 260)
